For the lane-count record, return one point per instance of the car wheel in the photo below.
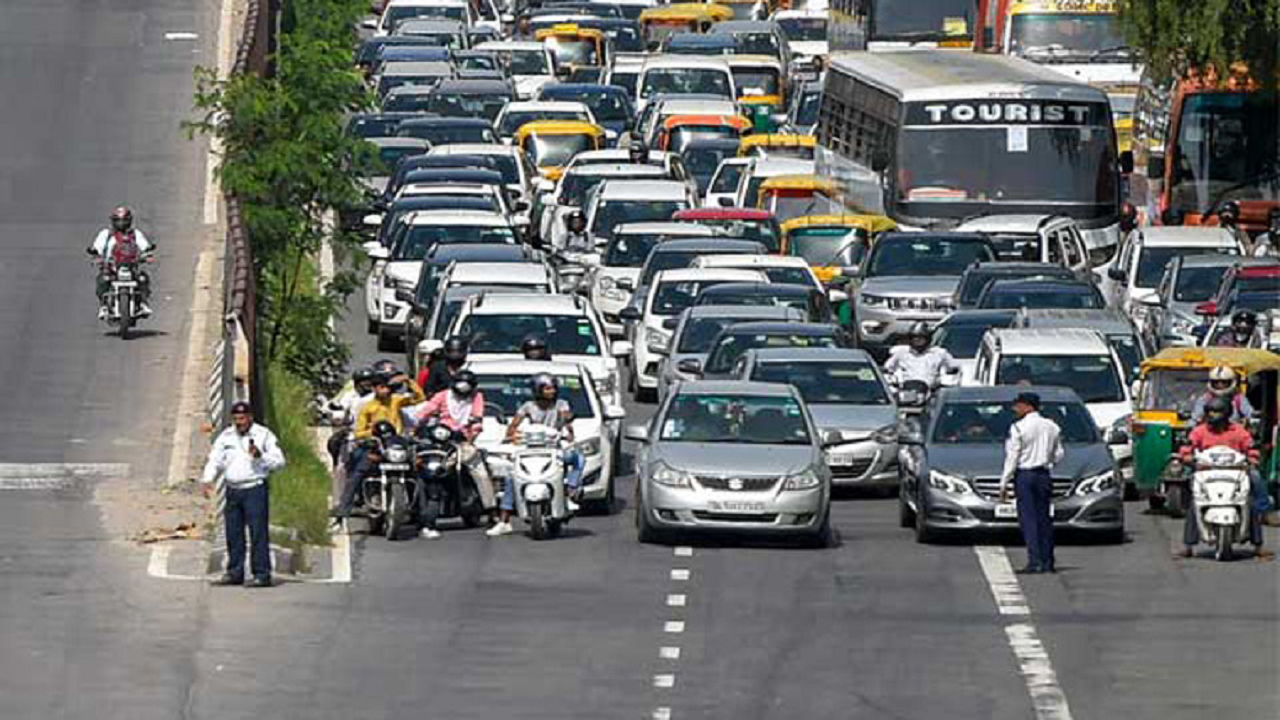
(371, 326)
(924, 534)
(906, 516)
(822, 537)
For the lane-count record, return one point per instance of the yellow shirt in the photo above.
(376, 411)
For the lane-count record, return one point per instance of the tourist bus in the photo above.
(931, 138)
(889, 24)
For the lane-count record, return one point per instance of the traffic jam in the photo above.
(770, 255)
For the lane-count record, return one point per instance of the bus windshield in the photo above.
(1227, 148)
(921, 20)
(1068, 37)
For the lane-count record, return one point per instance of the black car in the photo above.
(1041, 294)
(469, 98)
(439, 169)
(380, 124)
(734, 341)
(450, 130)
(807, 298)
(979, 275)
(410, 99)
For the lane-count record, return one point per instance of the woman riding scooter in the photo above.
(461, 408)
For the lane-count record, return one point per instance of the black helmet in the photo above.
(1244, 319)
(1217, 411)
(464, 383)
(1229, 213)
(542, 380)
(456, 349)
(534, 345)
(384, 429)
(122, 219)
(363, 375)
(638, 151)
(919, 335)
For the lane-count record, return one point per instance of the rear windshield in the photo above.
(1093, 377)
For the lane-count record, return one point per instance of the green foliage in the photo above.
(1174, 35)
(300, 492)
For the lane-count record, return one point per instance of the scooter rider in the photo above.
(461, 408)
(1244, 325)
(1223, 384)
(535, 348)
(546, 408)
(1217, 429)
(453, 357)
(919, 361)
(120, 244)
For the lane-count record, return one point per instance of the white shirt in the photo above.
(106, 242)
(230, 456)
(905, 365)
(1034, 442)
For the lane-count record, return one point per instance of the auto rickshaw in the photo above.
(794, 196)
(834, 246)
(657, 23)
(574, 46)
(551, 144)
(801, 147)
(677, 131)
(760, 81)
(1165, 393)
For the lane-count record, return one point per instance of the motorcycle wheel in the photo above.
(1225, 549)
(472, 517)
(125, 305)
(1175, 501)
(397, 501)
(537, 521)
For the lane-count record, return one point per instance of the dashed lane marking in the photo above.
(664, 680)
(57, 476)
(181, 36)
(1003, 583)
(669, 652)
(679, 574)
(684, 551)
(676, 600)
(673, 626)
(662, 713)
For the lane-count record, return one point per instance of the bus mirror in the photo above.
(1126, 162)
(879, 160)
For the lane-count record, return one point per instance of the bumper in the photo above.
(392, 314)
(780, 513)
(863, 464)
(609, 309)
(1103, 512)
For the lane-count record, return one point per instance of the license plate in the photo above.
(738, 506)
(126, 284)
(1007, 510)
(840, 459)
(394, 467)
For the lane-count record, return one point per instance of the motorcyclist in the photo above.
(535, 348)
(1268, 243)
(365, 467)
(386, 404)
(121, 244)
(461, 408)
(638, 152)
(346, 407)
(1244, 325)
(919, 360)
(549, 409)
(1215, 430)
(441, 372)
(1223, 383)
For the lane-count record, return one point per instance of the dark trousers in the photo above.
(1034, 488)
(248, 507)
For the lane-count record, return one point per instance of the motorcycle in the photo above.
(1220, 487)
(441, 464)
(391, 495)
(538, 476)
(123, 299)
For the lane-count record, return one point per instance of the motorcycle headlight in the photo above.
(657, 340)
(886, 435)
(397, 454)
(669, 476)
(441, 434)
(948, 483)
(590, 446)
(124, 273)
(1102, 482)
(806, 480)
(873, 300)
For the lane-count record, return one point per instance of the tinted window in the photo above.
(986, 423)
(1042, 298)
(509, 392)
(731, 346)
(748, 419)
(926, 256)
(610, 214)
(565, 334)
(417, 240)
(1093, 377)
(827, 382)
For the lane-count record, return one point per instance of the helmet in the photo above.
(386, 367)
(1229, 214)
(919, 336)
(456, 349)
(1222, 381)
(464, 383)
(638, 151)
(542, 380)
(1244, 321)
(384, 429)
(363, 375)
(1217, 411)
(534, 345)
(122, 219)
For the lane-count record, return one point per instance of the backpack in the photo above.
(125, 251)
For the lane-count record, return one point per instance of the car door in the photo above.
(1155, 316)
(724, 184)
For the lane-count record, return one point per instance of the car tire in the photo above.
(646, 533)
(906, 516)
(924, 534)
(371, 326)
(822, 537)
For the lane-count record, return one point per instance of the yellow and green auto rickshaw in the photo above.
(794, 196)
(551, 144)
(574, 46)
(834, 246)
(1168, 386)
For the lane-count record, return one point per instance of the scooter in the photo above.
(537, 474)
(1220, 487)
(391, 495)
(441, 464)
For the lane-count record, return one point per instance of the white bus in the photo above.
(931, 138)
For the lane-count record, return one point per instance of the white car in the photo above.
(398, 268)
(684, 75)
(508, 384)
(763, 168)
(651, 328)
(529, 64)
(648, 123)
(806, 34)
(614, 276)
(517, 170)
(1034, 238)
(515, 114)
(1130, 282)
(573, 189)
(626, 201)
(497, 324)
(778, 268)
(398, 11)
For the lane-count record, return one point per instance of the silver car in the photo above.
(695, 331)
(732, 456)
(848, 398)
(1188, 280)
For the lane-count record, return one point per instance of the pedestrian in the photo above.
(1033, 448)
(244, 454)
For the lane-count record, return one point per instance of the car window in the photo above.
(509, 392)
(501, 333)
(744, 419)
(820, 383)
(926, 256)
(987, 423)
(729, 347)
(1075, 251)
(1093, 377)
(727, 179)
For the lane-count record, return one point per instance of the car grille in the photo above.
(931, 304)
(989, 488)
(735, 517)
(743, 484)
(859, 468)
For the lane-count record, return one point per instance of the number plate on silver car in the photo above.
(737, 506)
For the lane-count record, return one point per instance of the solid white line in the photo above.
(665, 680)
(1047, 697)
(181, 36)
(212, 189)
(669, 652)
(673, 626)
(340, 556)
(56, 476)
(662, 713)
(679, 574)
(684, 551)
(190, 394)
(676, 600)
(158, 566)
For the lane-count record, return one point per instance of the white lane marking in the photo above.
(1047, 698)
(158, 566)
(1000, 578)
(662, 713)
(664, 680)
(680, 574)
(57, 476)
(676, 600)
(340, 557)
(684, 551)
(181, 36)
(669, 652)
(673, 626)
(190, 396)
(212, 188)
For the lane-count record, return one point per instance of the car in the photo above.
(398, 268)
(704, 156)
(696, 328)
(649, 121)
(627, 201)
(910, 277)
(390, 150)
(520, 113)
(680, 253)
(1052, 239)
(1188, 281)
(758, 170)
(573, 189)
(470, 97)
(444, 33)
(647, 329)
(425, 74)
(529, 64)
(497, 324)
(1129, 282)
(450, 130)
(722, 190)
(802, 114)
(735, 340)
(978, 276)
(732, 456)
(507, 384)
(683, 75)
(804, 297)
(756, 37)
(370, 52)
(1124, 338)
(516, 170)
(849, 399)
(699, 44)
(1251, 285)
(952, 458)
(396, 12)
(734, 222)
(1041, 293)
(376, 124)
(1076, 358)
(961, 335)
(610, 105)
(612, 279)
(778, 268)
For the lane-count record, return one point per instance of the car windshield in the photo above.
(790, 204)
(455, 134)
(1016, 246)
(368, 127)
(700, 332)
(1129, 351)
(756, 43)
(476, 62)
(827, 383)
(1068, 37)
(987, 423)
(384, 163)
(1197, 284)
(610, 214)
(787, 275)
(575, 186)
(1152, 262)
(686, 81)
(512, 121)
(607, 107)
(417, 240)
(962, 341)
(629, 250)
(975, 281)
(625, 79)
(670, 297)
(701, 160)
(754, 81)
(804, 29)
(738, 419)
(731, 345)
(1093, 377)
(926, 256)
(1040, 297)
(1255, 301)
(683, 136)
(764, 232)
(829, 247)
(573, 51)
(757, 298)
(400, 13)
(509, 392)
(527, 62)
(556, 150)
(1256, 284)
(659, 261)
(502, 333)
(466, 105)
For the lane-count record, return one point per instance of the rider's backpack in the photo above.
(125, 251)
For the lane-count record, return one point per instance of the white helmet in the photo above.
(1222, 380)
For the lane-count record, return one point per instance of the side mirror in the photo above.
(369, 23)
(626, 283)
(1126, 162)
(630, 313)
(670, 323)
(636, 433)
(1135, 389)
(373, 220)
(1208, 309)
(621, 348)
(614, 412)
(376, 251)
(1117, 273)
(690, 366)
(879, 160)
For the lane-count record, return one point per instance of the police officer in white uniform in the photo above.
(1033, 448)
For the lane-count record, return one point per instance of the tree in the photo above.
(1172, 36)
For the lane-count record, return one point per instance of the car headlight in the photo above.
(948, 483)
(671, 477)
(1094, 484)
(946, 302)
(590, 446)
(886, 435)
(873, 300)
(615, 294)
(657, 340)
(607, 283)
(806, 480)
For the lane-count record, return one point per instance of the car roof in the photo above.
(1107, 322)
(1037, 284)
(477, 149)
(747, 312)
(510, 45)
(621, 170)
(815, 354)
(457, 217)
(443, 201)
(1006, 393)
(1183, 236)
(501, 273)
(476, 252)
(685, 61)
(699, 40)
(1028, 223)
(547, 106)
(643, 190)
(769, 166)
(417, 67)
(663, 228)
(780, 328)
(397, 141)
(519, 303)
(693, 274)
(980, 317)
(582, 89)
(764, 289)
(708, 244)
(1044, 341)
(428, 23)
(737, 387)
(475, 86)
(750, 260)
(443, 120)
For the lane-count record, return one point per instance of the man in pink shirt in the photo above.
(461, 408)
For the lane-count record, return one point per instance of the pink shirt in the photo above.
(455, 416)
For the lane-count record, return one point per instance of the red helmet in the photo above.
(122, 219)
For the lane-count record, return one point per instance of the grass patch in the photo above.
(299, 492)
